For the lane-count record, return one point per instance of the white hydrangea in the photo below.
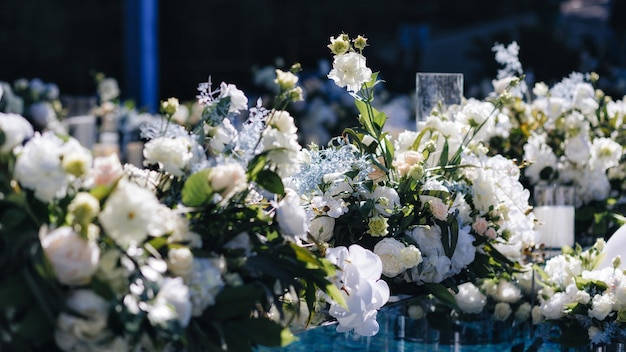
(540, 155)
(205, 283)
(561, 269)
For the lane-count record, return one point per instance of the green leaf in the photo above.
(442, 294)
(256, 165)
(269, 180)
(264, 332)
(196, 190)
(234, 302)
(443, 159)
(101, 192)
(366, 118)
(335, 294)
(14, 292)
(35, 329)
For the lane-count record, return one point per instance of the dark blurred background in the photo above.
(67, 41)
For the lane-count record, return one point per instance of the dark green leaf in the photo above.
(14, 292)
(264, 332)
(269, 180)
(33, 328)
(235, 301)
(442, 294)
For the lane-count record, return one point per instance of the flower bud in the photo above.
(170, 106)
(339, 45)
(285, 80)
(360, 42)
(84, 208)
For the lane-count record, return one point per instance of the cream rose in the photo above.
(73, 258)
(228, 179)
(390, 252)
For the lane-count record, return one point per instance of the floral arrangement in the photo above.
(570, 134)
(201, 249)
(432, 204)
(231, 235)
(581, 299)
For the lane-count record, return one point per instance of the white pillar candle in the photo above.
(555, 225)
(83, 128)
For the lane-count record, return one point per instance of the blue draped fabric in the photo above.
(141, 53)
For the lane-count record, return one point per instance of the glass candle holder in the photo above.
(554, 210)
(437, 91)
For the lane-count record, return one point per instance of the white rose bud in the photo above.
(502, 311)
(73, 258)
(84, 208)
(180, 261)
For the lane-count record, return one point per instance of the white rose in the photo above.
(132, 213)
(322, 228)
(238, 100)
(228, 179)
(171, 154)
(536, 315)
(16, 130)
(291, 216)
(390, 252)
(38, 167)
(507, 292)
(180, 261)
(523, 312)
(282, 121)
(411, 256)
(73, 258)
(470, 299)
(502, 311)
(106, 170)
(222, 135)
